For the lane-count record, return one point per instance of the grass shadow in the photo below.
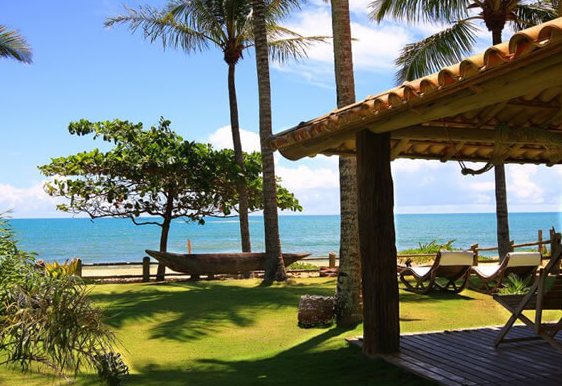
(195, 310)
(315, 361)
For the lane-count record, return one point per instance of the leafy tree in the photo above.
(347, 305)
(195, 25)
(457, 41)
(13, 45)
(156, 173)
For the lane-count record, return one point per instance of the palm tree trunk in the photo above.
(239, 157)
(502, 217)
(347, 301)
(274, 265)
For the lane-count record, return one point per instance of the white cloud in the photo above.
(374, 50)
(317, 188)
(222, 139)
(487, 186)
(404, 165)
(521, 186)
(28, 202)
(304, 178)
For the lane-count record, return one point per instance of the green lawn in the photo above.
(234, 332)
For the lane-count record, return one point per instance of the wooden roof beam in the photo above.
(401, 145)
(457, 135)
(452, 151)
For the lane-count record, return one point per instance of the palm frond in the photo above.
(14, 46)
(528, 15)
(162, 25)
(202, 15)
(293, 48)
(435, 52)
(277, 10)
(448, 11)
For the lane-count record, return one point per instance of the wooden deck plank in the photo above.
(510, 359)
(468, 357)
(456, 361)
(474, 356)
(443, 363)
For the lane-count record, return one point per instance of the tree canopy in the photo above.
(153, 172)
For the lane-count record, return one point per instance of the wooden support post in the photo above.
(189, 246)
(377, 240)
(555, 240)
(540, 241)
(511, 244)
(474, 249)
(146, 269)
(551, 233)
(332, 260)
(78, 267)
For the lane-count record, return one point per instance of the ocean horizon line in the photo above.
(287, 215)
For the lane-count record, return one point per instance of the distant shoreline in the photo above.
(293, 215)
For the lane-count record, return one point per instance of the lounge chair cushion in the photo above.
(488, 270)
(420, 271)
(524, 259)
(456, 258)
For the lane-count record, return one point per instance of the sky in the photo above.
(81, 70)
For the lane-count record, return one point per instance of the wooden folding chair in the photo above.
(452, 266)
(490, 277)
(541, 296)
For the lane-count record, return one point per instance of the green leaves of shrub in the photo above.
(514, 285)
(46, 319)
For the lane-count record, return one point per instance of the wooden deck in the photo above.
(468, 357)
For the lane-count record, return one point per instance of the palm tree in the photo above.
(457, 41)
(195, 25)
(274, 265)
(13, 45)
(347, 302)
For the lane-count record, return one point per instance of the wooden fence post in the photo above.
(332, 260)
(474, 248)
(554, 240)
(79, 267)
(511, 243)
(146, 269)
(540, 241)
(189, 246)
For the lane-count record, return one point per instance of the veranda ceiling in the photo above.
(453, 114)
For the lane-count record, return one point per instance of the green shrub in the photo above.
(302, 265)
(59, 270)
(429, 248)
(514, 285)
(45, 318)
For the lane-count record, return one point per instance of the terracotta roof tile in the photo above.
(520, 45)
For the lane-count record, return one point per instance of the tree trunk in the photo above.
(239, 157)
(381, 327)
(160, 274)
(502, 217)
(347, 300)
(274, 265)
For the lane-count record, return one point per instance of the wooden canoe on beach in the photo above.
(217, 263)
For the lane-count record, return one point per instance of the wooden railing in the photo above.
(555, 239)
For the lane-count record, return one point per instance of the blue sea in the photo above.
(106, 240)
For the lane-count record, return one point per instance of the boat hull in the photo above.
(218, 263)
